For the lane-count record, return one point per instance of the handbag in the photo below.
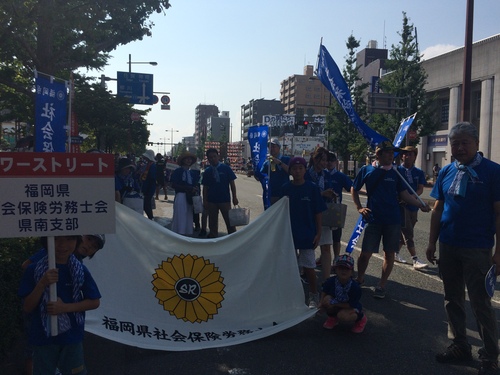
(197, 204)
(334, 215)
(239, 216)
(134, 201)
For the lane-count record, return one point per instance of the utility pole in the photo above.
(466, 82)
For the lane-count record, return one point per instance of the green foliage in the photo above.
(106, 119)
(56, 37)
(343, 136)
(406, 81)
(13, 252)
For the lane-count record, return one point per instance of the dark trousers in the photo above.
(148, 208)
(462, 267)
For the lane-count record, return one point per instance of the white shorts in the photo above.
(326, 236)
(306, 258)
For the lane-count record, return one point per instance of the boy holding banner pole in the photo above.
(383, 187)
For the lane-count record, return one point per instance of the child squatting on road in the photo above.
(340, 297)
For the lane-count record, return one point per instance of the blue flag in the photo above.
(258, 137)
(50, 132)
(403, 129)
(356, 234)
(329, 74)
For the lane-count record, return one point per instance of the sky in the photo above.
(228, 52)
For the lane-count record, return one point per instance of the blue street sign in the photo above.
(137, 87)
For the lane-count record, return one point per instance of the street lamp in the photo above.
(172, 139)
(130, 62)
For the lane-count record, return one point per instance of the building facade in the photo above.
(304, 93)
(202, 113)
(445, 75)
(252, 113)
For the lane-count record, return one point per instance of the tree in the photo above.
(405, 81)
(106, 119)
(344, 138)
(56, 37)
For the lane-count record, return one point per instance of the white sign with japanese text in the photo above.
(56, 194)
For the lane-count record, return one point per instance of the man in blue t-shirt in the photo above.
(216, 180)
(276, 167)
(466, 220)
(384, 189)
(416, 179)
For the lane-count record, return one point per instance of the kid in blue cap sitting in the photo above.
(341, 296)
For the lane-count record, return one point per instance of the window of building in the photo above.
(477, 104)
(445, 110)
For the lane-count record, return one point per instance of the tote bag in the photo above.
(134, 201)
(334, 215)
(239, 216)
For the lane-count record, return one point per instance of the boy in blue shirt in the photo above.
(306, 207)
(76, 292)
(341, 295)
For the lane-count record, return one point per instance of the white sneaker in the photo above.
(418, 265)
(313, 300)
(398, 259)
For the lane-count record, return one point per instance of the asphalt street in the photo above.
(403, 333)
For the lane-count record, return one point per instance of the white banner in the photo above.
(164, 291)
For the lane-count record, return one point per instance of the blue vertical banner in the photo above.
(329, 74)
(258, 138)
(50, 132)
(403, 129)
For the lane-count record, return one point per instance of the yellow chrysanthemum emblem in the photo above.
(189, 287)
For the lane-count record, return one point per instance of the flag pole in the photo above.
(408, 185)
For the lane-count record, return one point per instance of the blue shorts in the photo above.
(67, 358)
(389, 234)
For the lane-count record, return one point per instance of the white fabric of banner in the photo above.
(164, 291)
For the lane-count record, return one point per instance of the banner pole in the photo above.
(51, 252)
(408, 185)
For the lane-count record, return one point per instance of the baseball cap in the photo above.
(345, 261)
(101, 240)
(275, 141)
(298, 160)
(386, 146)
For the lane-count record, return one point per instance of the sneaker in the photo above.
(398, 259)
(203, 233)
(313, 300)
(418, 265)
(487, 368)
(303, 278)
(379, 293)
(359, 326)
(454, 353)
(331, 322)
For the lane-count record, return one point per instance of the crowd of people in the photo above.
(464, 222)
